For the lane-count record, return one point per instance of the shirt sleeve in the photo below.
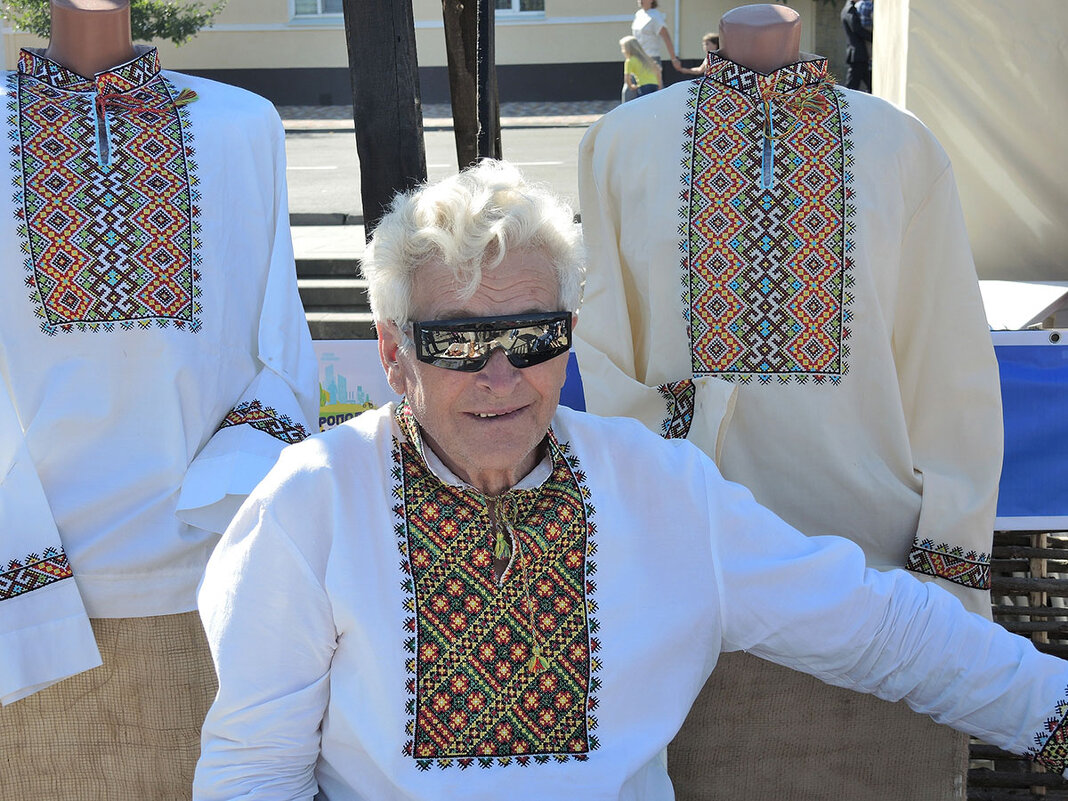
(615, 315)
(45, 634)
(810, 603)
(279, 406)
(272, 652)
(950, 394)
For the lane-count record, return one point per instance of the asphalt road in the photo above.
(324, 173)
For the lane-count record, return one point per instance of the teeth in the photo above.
(485, 414)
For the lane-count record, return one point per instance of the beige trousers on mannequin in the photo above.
(126, 731)
(860, 748)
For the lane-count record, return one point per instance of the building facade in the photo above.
(293, 51)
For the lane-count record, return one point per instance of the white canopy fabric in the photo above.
(989, 78)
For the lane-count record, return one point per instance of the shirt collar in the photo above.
(125, 77)
(412, 432)
(810, 71)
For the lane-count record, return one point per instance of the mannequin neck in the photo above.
(762, 37)
(90, 36)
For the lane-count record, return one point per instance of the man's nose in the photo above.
(499, 373)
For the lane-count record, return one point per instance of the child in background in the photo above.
(641, 75)
(710, 42)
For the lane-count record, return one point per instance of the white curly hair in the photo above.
(470, 221)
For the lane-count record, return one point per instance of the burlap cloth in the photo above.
(760, 732)
(126, 731)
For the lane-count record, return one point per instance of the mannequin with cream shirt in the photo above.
(756, 731)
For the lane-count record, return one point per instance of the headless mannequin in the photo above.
(90, 36)
(762, 37)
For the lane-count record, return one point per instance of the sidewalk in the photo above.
(438, 117)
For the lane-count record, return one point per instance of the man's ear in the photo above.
(389, 343)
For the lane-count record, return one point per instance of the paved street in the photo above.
(323, 171)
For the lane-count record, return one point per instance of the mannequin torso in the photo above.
(90, 36)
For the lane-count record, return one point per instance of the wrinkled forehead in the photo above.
(524, 282)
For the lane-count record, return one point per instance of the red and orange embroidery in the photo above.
(767, 219)
(106, 196)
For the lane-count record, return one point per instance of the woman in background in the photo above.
(650, 29)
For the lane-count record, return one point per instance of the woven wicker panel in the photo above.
(1030, 598)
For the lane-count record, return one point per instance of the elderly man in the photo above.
(476, 594)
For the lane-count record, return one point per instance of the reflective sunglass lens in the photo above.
(467, 345)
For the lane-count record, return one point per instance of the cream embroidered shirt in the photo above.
(805, 308)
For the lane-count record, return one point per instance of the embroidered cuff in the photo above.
(265, 419)
(950, 562)
(679, 396)
(34, 572)
(1051, 744)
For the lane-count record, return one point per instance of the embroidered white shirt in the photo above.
(356, 660)
(153, 348)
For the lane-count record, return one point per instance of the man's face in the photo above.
(487, 427)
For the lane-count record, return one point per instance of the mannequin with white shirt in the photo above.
(128, 278)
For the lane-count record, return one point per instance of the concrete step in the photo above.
(328, 268)
(340, 324)
(305, 218)
(328, 241)
(350, 293)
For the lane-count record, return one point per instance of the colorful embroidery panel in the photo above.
(952, 563)
(680, 397)
(1051, 744)
(473, 696)
(34, 572)
(767, 219)
(265, 419)
(106, 197)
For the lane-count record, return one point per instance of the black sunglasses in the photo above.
(526, 339)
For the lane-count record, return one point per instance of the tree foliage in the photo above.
(174, 20)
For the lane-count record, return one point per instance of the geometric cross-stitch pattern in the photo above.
(952, 563)
(766, 216)
(473, 697)
(33, 572)
(1051, 744)
(680, 397)
(264, 418)
(106, 197)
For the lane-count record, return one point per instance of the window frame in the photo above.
(515, 12)
(320, 14)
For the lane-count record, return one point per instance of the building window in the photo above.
(519, 6)
(315, 8)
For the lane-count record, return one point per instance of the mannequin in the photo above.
(140, 261)
(820, 245)
(88, 36)
(762, 37)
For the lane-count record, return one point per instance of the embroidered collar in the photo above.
(810, 72)
(532, 482)
(135, 73)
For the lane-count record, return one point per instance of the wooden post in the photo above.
(1037, 570)
(386, 110)
(461, 48)
(489, 110)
